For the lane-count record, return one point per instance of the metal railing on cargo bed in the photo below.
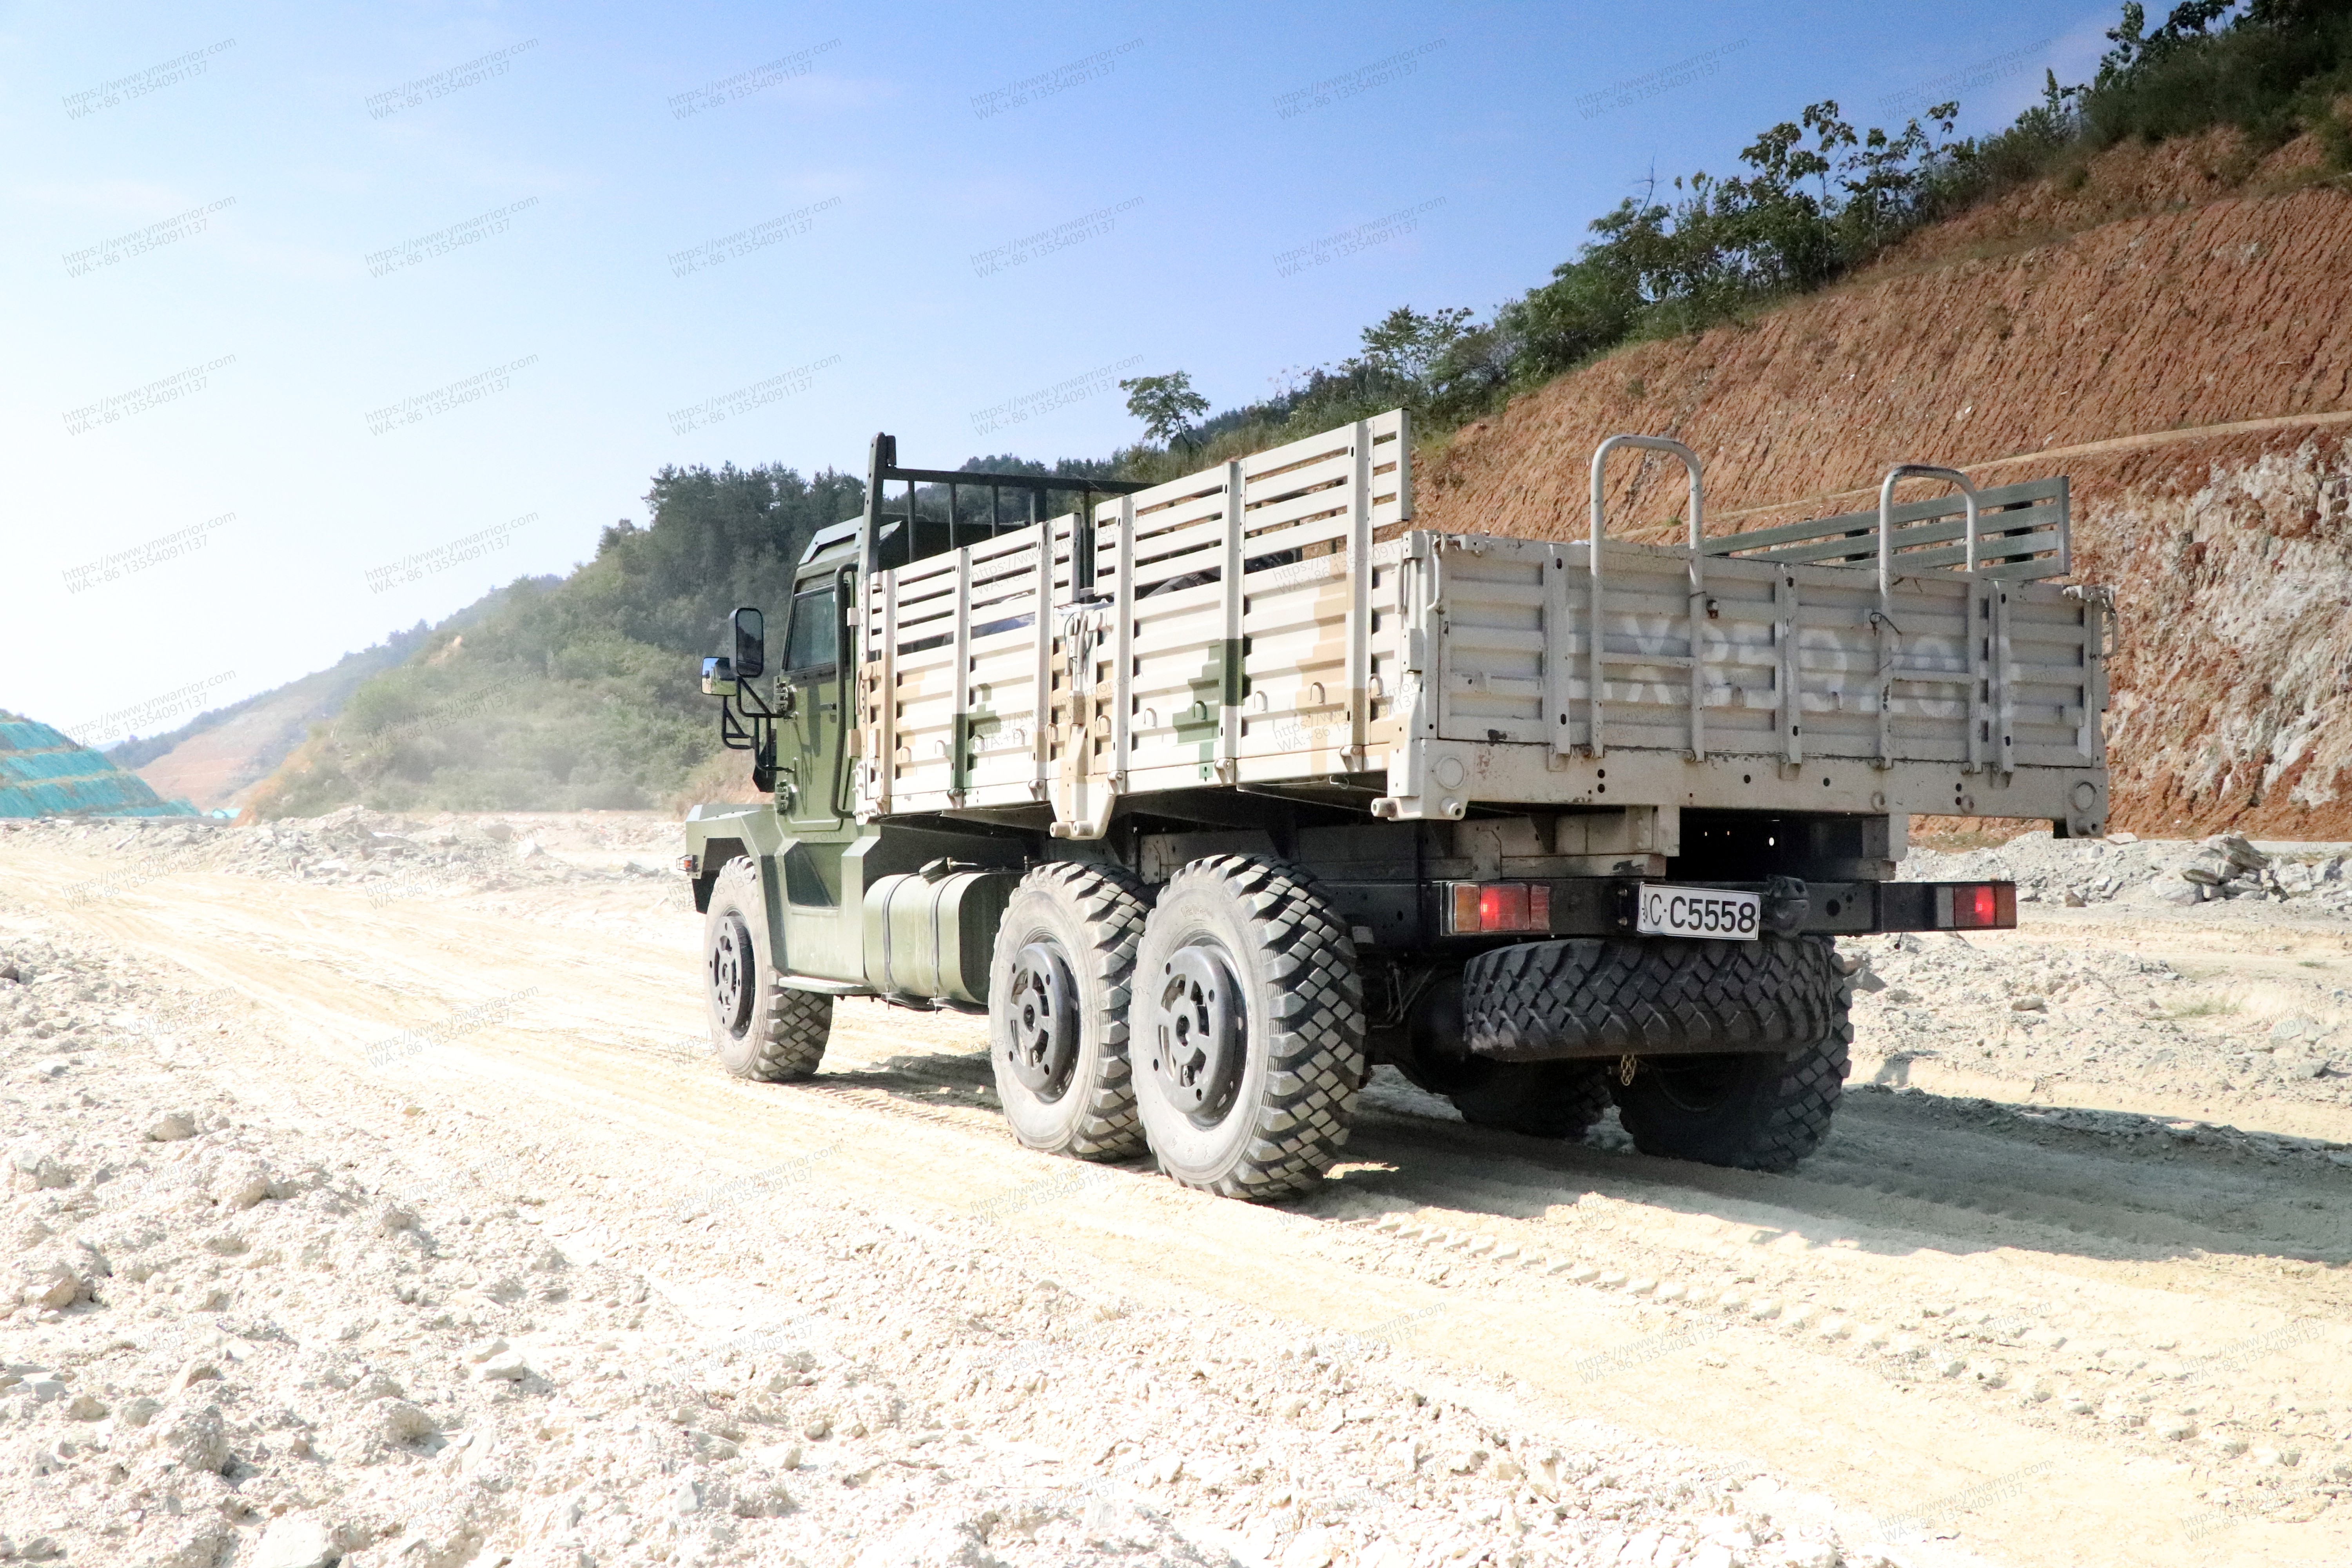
(1242, 627)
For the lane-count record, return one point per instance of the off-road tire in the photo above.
(1092, 917)
(760, 1029)
(1299, 1057)
(1605, 998)
(1541, 1099)
(1755, 1112)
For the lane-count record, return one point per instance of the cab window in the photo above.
(812, 641)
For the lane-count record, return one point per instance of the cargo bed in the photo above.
(1325, 648)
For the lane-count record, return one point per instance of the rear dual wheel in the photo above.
(1247, 1029)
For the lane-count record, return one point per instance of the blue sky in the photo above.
(296, 297)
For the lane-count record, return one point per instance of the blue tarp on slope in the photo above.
(45, 773)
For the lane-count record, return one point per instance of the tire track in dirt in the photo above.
(328, 977)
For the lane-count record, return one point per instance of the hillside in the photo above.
(216, 758)
(577, 692)
(2170, 332)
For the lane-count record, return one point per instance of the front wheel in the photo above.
(1248, 1029)
(760, 1029)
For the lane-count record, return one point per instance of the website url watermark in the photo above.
(1045, 400)
(743, 399)
(1349, 241)
(1348, 84)
(711, 253)
(139, 84)
(139, 399)
(1607, 1364)
(1968, 79)
(739, 1190)
(1638, 90)
(441, 241)
(380, 741)
(424, 563)
(441, 399)
(139, 241)
(144, 716)
(1045, 84)
(1036, 1194)
(1045, 241)
(424, 90)
(744, 84)
(1915, 1524)
(121, 564)
(411, 1043)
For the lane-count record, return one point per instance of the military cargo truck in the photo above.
(1211, 795)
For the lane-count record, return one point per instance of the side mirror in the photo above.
(718, 677)
(751, 644)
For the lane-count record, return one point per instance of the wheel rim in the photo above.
(732, 966)
(1044, 1015)
(1201, 1037)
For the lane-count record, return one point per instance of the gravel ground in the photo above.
(2130, 870)
(391, 857)
(236, 1340)
(270, 1307)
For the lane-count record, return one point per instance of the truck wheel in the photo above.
(761, 1029)
(1058, 994)
(1249, 1029)
(1541, 1099)
(1760, 1112)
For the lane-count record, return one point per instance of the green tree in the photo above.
(1166, 404)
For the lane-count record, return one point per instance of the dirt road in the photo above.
(2037, 1334)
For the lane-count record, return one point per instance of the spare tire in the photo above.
(1622, 996)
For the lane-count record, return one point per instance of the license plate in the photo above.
(1715, 913)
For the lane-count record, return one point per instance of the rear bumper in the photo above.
(1402, 915)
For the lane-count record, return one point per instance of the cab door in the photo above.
(811, 774)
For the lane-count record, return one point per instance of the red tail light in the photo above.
(1977, 906)
(1481, 908)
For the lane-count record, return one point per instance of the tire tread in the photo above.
(791, 1026)
(1314, 1065)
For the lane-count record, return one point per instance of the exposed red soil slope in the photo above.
(2189, 364)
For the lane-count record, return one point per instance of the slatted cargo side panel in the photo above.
(1309, 510)
(942, 742)
(1059, 532)
(1645, 675)
(920, 689)
(1787, 655)
(1177, 672)
(1000, 730)
(1837, 662)
(1742, 679)
(1487, 640)
(1298, 515)
(2049, 679)
(1927, 695)
(2021, 533)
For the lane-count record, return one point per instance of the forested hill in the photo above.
(578, 692)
